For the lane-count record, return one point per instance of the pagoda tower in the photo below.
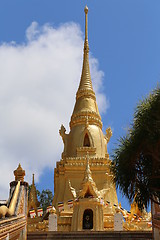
(33, 201)
(84, 141)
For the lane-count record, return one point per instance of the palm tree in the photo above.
(136, 160)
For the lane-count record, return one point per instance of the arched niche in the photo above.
(88, 219)
(86, 142)
(86, 139)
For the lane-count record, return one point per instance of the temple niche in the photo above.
(83, 173)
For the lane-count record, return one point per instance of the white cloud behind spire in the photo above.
(38, 83)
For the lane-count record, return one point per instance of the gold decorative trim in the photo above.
(86, 93)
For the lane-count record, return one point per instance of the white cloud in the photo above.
(39, 80)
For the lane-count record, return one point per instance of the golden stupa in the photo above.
(83, 173)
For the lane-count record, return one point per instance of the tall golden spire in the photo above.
(85, 82)
(85, 106)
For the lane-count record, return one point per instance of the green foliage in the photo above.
(136, 160)
(45, 198)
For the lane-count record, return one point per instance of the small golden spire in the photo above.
(88, 184)
(19, 173)
(33, 201)
(87, 174)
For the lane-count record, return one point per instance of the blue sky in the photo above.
(124, 40)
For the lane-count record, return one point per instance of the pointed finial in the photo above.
(86, 23)
(19, 173)
(19, 166)
(33, 179)
(86, 9)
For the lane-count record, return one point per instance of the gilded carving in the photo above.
(73, 191)
(21, 204)
(64, 136)
(108, 134)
